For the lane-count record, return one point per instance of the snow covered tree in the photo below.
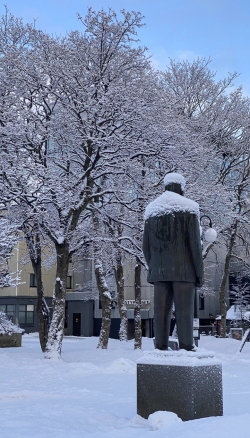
(236, 235)
(104, 107)
(69, 98)
(200, 106)
(215, 122)
(240, 293)
(23, 132)
(77, 98)
(8, 240)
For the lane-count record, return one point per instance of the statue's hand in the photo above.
(199, 281)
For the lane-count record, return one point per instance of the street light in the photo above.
(210, 235)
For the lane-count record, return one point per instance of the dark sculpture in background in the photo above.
(172, 249)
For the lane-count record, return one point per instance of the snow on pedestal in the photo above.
(186, 383)
(179, 358)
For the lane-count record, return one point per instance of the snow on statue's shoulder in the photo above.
(170, 202)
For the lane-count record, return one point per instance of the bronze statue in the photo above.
(172, 249)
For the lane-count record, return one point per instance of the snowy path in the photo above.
(92, 393)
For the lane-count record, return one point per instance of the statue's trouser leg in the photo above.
(163, 302)
(184, 312)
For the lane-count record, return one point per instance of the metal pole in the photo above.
(195, 304)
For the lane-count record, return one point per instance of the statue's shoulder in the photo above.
(170, 203)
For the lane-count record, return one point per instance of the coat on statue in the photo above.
(172, 250)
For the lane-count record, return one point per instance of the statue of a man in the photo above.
(172, 249)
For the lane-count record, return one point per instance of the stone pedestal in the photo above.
(12, 340)
(186, 383)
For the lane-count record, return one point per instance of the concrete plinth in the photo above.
(13, 340)
(186, 383)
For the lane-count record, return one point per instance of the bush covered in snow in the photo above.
(7, 327)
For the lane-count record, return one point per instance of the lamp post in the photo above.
(210, 235)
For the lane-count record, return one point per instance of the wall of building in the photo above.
(20, 262)
(86, 310)
(26, 316)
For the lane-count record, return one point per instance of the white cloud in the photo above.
(186, 55)
(160, 57)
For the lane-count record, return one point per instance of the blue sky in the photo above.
(179, 29)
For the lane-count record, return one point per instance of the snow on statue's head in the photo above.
(174, 182)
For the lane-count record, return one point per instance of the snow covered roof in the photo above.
(7, 327)
(170, 202)
(175, 178)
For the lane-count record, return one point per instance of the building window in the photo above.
(33, 280)
(9, 309)
(26, 314)
(69, 282)
(201, 302)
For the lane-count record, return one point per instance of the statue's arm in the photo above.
(145, 243)
(196, 250)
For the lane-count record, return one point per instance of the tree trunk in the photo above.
(102, 286)
(41, 309)
(223, 306)
(123, 332)
(105, 298)
(55, 337)
(35, 252)
(137, 310)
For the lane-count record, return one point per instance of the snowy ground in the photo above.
(92, 393)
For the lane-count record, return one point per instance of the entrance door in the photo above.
(76, 324)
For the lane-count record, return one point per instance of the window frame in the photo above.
(10, 313)
(201, 302)
(69, 278)
(26, 312)
(33, 282)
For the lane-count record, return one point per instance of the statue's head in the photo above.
(174, 182)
